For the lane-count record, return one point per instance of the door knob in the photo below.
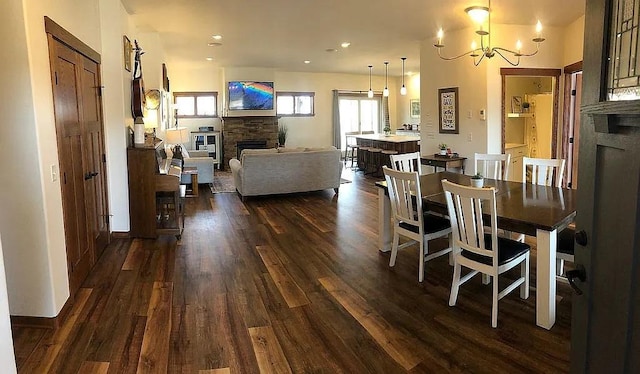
(581, 238)
(580, 273)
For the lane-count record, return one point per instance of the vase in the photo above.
(477, 182)
(443, 152)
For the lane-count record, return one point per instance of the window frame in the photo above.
(296, 94)
(195, 95)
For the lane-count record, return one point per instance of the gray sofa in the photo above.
(284, 170)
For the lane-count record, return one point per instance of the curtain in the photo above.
(337, 139)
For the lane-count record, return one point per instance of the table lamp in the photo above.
(177, 136)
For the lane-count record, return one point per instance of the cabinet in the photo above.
(156, 198)
(209, 141)
(517, 152)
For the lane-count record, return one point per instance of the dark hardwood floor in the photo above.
(288, 284)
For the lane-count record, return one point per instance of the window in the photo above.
(196, 104)
(358, 113)
(295, 104)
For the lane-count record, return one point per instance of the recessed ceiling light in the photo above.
(209, 58)
(214, 44)
(217, 37)
(331, 50)
(345, 44)
(307, 61)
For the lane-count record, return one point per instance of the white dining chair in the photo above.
(550, 172)
(408, 162)
(543, 171)
(409, 219)
(478, 251)
(494, 166)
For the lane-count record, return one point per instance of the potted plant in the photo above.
(282, 135)
(477, 180)
(387, 130)
(443, 149)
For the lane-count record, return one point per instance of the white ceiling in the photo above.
(281, 34)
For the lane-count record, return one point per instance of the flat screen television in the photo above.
(249, 95)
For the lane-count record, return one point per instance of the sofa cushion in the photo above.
(289, 150)
(256, 152)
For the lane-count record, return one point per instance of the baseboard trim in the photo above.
(120, 235)
(43, 322)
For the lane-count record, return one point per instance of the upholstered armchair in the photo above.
(200, 160)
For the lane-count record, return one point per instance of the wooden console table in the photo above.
(443, 162)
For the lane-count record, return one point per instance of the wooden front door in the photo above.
(78, 117)
(605, 335)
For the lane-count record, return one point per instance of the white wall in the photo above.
(412, 83)
(22, 220)
(7, 357)
(116, 113)
(573, 42)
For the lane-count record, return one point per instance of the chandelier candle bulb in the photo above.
(440, 35)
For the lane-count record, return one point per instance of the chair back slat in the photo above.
(404, 192)
(543, 171)
(408, 162)
(465, 206)
(494, 166)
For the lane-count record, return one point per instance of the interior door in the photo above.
(605, 336)
(66, 76)
(95, 184)
(79, 128)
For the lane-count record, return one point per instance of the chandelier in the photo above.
(479, 14)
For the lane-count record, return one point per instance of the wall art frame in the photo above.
(448, 111)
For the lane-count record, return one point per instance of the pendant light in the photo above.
(385, 93)
(403, 89)
(370, 93)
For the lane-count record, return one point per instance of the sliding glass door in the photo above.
(359, 114)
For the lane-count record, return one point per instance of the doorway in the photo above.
(75, 80)
(529, 115)
(571, 122)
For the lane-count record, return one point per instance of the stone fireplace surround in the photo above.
(247, 128)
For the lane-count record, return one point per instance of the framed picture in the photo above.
(414, 108)
(448, 110)
(516, 104)
(126, 48)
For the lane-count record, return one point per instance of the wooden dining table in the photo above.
(535, 210)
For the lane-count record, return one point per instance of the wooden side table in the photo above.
(193, 172)
(444, 162)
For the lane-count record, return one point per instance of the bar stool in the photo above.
(372, 162)
(351, 150)
(386, 157)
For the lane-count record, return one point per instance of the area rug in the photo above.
(222, 182)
